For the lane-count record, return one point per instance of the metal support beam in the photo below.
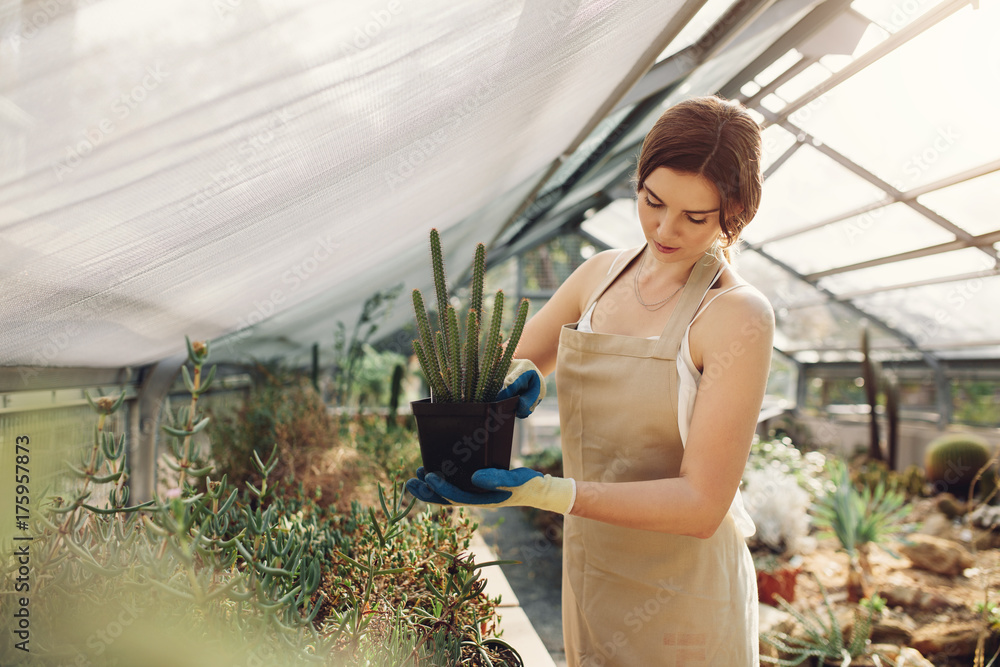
(913, 29)
(642, 65)
(143, 427)
(907, 196)
(982, 241)
(810, 24)
(34, 378)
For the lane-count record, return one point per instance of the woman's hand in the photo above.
(522, 487)
(525, 381)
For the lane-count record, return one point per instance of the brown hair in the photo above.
(714, 138)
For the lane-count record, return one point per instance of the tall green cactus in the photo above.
(457, 368)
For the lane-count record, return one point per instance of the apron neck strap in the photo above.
(702, 277)
(629, 256)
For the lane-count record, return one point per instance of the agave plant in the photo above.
(464, 366)
(858, 519)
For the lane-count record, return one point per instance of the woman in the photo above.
(661, 356)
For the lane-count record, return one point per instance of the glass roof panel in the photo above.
(816, 332)
(779, 286)
(916, 123)
(699, 25)
(883, 231)
(956, 262)
(773, 103)
(945, 314)
(893, 14)
(777, 68)
(749, 89)
(835, 61)
(872, 37)
(970, 205)
(775, 140)
(802, 329)
(803, 82)
(808, 188)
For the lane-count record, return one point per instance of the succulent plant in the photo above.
(953, 461)
(464, 366)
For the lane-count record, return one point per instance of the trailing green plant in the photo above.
(464, 366)
(858, 519)
(824, 639)
(188, 421)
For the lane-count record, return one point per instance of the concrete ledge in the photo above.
(517, 629)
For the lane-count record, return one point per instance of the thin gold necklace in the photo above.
(635, 283)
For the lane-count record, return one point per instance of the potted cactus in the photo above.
(462, 427)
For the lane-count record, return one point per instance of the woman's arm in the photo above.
(540, 338)
(734, 340)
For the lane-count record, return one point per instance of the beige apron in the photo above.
(636, 598)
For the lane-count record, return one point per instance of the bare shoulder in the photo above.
(741, 316)
(739, 307)
(588, 276)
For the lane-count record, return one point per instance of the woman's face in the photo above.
(679, 213)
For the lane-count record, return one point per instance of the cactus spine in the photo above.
(456, 368)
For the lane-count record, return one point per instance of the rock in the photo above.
(909, 597)
(951, 639)
(936, 555)
(895, 629)
(938, 525)
(910, 657)
(885, 651)
(984, 540)
(774, 620)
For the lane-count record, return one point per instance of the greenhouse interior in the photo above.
(213, 218)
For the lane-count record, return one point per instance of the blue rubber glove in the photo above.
(521, 487)
(525, 381)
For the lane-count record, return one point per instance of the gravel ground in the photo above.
(536, 581)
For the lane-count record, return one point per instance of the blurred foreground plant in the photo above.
(226, 575)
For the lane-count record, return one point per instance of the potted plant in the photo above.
(462, 427)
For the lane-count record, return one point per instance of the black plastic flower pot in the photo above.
(457, 439)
